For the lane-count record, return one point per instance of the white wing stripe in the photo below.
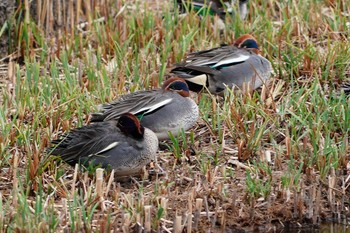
(109, 147)
(231, 60)
(151, 108)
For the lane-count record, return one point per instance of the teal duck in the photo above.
(216, 7)
(123, 145)
(164, 110)
(233, 65)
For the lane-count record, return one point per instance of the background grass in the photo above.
(261, 159)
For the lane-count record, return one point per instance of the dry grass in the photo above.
(272, 158)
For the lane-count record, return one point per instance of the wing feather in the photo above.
(137, 103)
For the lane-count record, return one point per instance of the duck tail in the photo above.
(97, 117)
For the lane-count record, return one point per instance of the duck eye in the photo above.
(120, 124)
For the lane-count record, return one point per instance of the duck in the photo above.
(226, 66)
(345, 87)
(123, 145)
(163, 110)
(216, 7)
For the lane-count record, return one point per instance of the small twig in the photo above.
(239, 164)
(166, 229)
(166, 220)
(110, 181)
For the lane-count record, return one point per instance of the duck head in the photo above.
(247, 41)
(178, 85)
(130, 125)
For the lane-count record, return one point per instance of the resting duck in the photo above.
(123, 145)
(223, 66)
(164, 110)
(216, 7)
(346, 88)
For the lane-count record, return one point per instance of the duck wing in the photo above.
(83, 141)
(210, 61)
(138, 103)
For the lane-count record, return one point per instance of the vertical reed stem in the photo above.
(148, 226)
(38, 11)
(27, 11)
(197, 214)
(189, 221)
(71, 16)
(99, 182)
(15, 180)
(47, 15)
(177, 224)
(164, 205)
(78, 10)
(74, 179)
(88, 13)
